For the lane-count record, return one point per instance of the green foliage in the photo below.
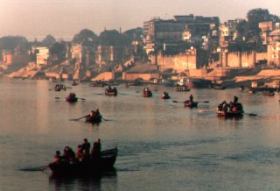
(113, 38)
(86, 37)
(12, 42)
(58, 50)
(48, 41)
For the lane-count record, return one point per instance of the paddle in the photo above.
(77, 119)
(34, 169)
(83, 99)
(251, 114)
(175, 101)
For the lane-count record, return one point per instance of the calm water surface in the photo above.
(162, 145)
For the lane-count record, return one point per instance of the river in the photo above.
(162, 145)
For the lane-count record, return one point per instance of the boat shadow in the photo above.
(84, 182)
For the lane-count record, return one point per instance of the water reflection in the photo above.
(106, 181)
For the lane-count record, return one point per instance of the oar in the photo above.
(175, 101)
(34, 169)
(77, 119)
(203, 101)
(251, 114)
(84, 99)
(107, 119)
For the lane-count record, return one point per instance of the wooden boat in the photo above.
(59, 87)
(190, 104)
(165, 96)
(111, 92)
(91, 166)
(218, 86)
(230, 114)
(94, 120)
(71, 98)
(268, 93)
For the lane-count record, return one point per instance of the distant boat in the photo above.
(190, 104)
(111, 91)
(71, 98)
(147, 92)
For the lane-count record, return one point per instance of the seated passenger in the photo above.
(96, 150)
(80, 155)
(57, 157)
(86, 147)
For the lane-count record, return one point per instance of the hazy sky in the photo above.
(64, 18)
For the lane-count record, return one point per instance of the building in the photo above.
(109, 54)
(7, 57)
(171, 35)
(229, 32)
(190, 59)
(266, 28)
(42, 55)
(273, 48)
(77, 52)
(141, 71)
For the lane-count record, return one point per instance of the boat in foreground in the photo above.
(92, 166)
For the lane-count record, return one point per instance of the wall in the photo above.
(105, 76)
(144, 76)
(238, 59)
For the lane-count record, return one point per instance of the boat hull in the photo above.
(190, 104)
(88, 167)
(230, 114)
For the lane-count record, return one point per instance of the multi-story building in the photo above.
(160, 34)
(266, 28)
(42, 55)
(229, 32)
(273, 48)
(109, 54)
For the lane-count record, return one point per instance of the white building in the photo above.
(42, 55)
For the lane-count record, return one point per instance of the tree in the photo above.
(86, 37)
(112, 38)
(58, 50)
(12, 42)
(48, 41)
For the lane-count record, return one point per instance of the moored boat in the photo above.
(92, 166)
(182, 88)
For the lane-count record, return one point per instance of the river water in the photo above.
(162, 145)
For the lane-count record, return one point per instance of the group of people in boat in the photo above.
(83, 153)
(165, 95)
(231, 107)
(94, 116)
(111, 91)
(72, 98)
(190, 103)
(59, 87)
(147, 92)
